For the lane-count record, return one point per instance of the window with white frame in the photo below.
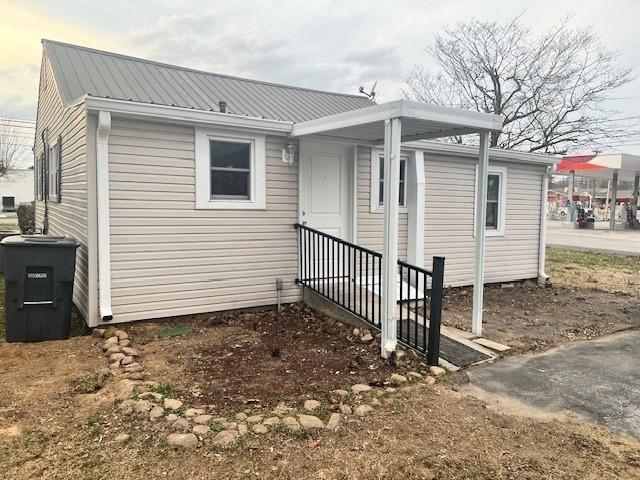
(230, 170)
(496, 200)
(53, 163)
(377, 182)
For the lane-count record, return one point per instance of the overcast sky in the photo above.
(332, 45)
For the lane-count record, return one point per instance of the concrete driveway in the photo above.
(599, 380)
(614, 241)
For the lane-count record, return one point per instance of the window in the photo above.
(496, 200)
(230, 170)
(377, 182)
(53, 162)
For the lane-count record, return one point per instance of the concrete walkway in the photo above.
(599, 380)
(613, 241)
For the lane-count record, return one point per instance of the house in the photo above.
(17, 184)
(183, 187)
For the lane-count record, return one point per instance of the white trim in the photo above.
(104, 229)
(480, 221)
(55, 162)
(354, 196)
(186, 115)
(374, 186)
(542, 232)
(258, 196)
(502, 202)
(415, 206)
(93, 310)
(451, 119)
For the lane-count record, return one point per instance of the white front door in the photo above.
(325, 187)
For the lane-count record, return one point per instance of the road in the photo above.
(614, 241)
(599, 380)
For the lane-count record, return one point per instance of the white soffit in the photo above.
(419, 121)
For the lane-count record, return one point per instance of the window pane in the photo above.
(403, 172)
(403, 176)
(493, 187)
(492, 215)
(230, 184)
(230, 154)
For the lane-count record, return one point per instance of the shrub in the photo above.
(27, 217)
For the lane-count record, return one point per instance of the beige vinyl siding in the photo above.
(370, 225)
(167, 258)
(449, 217)
(69, 217)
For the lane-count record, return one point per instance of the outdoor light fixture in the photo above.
(289, 153)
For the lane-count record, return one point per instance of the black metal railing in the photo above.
(340, 271)
(351, 276)
(420, 287)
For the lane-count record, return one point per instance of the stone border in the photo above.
(193, 426)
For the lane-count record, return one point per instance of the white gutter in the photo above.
(542, 245)
(104, 229)
(185, 115)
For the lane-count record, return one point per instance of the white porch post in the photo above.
(614, 199)
(481, 219)
(388, 320)
(415, 209)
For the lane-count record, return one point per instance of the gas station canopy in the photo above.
(602, 165)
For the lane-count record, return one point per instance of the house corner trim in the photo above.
(104, 230)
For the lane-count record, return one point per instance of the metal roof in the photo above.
(81, 71)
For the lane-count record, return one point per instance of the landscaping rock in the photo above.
(202, 419)
(156, 412)
(309, 422)
(360, 388)
(241, 416)
(415, 376)
(114, 365)
(291, 423)
(397, 379)
(111, 350)
(124, 343)
(345, 409)
(311, 405)
(172, 403)
(260, 429)
(429, 380)
(363, 410)
(334, 421)
(143, 406)
(150, 396)
(130, 351)
(229, 425)
(182, 440)
(172, 417)
(399, 354)
(133, 376)
(255, 419)
(109, 342)
(391, 390)
(242, 429)
(356, 332)
(182, 424)
(98, 332)
(133, 368)
(116, 357)
(193, 412)
(272, 421)
(109, 332)
(201, 430)
(340, 393)
(282, 409)
(121, 334)
(375, 402)
(126, 360)
(437, 371)
(127, 406)
(366, 338)
(122, 437)
(226, 438)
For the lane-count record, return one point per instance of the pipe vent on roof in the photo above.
(222, 105)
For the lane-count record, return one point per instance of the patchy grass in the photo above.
(164, 389)
(594, 271)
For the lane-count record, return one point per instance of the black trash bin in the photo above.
(38, 276)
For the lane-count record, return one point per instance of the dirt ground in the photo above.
(590, 295)
(236, 359)
(50, 431)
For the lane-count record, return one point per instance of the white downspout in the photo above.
(388, 320)
(481, 219)
(415, 209)
(104, 230)
(542, 245)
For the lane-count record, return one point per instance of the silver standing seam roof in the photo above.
(83, 71)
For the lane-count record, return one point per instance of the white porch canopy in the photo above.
(392, 124)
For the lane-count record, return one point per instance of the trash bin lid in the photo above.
(39, 241)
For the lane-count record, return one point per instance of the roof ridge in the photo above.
(46, 41)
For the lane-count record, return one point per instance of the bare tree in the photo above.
(551, 89)
(13, 145)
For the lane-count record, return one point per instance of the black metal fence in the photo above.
(351, 276)
(345, 273)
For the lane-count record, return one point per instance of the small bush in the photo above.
(164, 389)
(27, 217)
